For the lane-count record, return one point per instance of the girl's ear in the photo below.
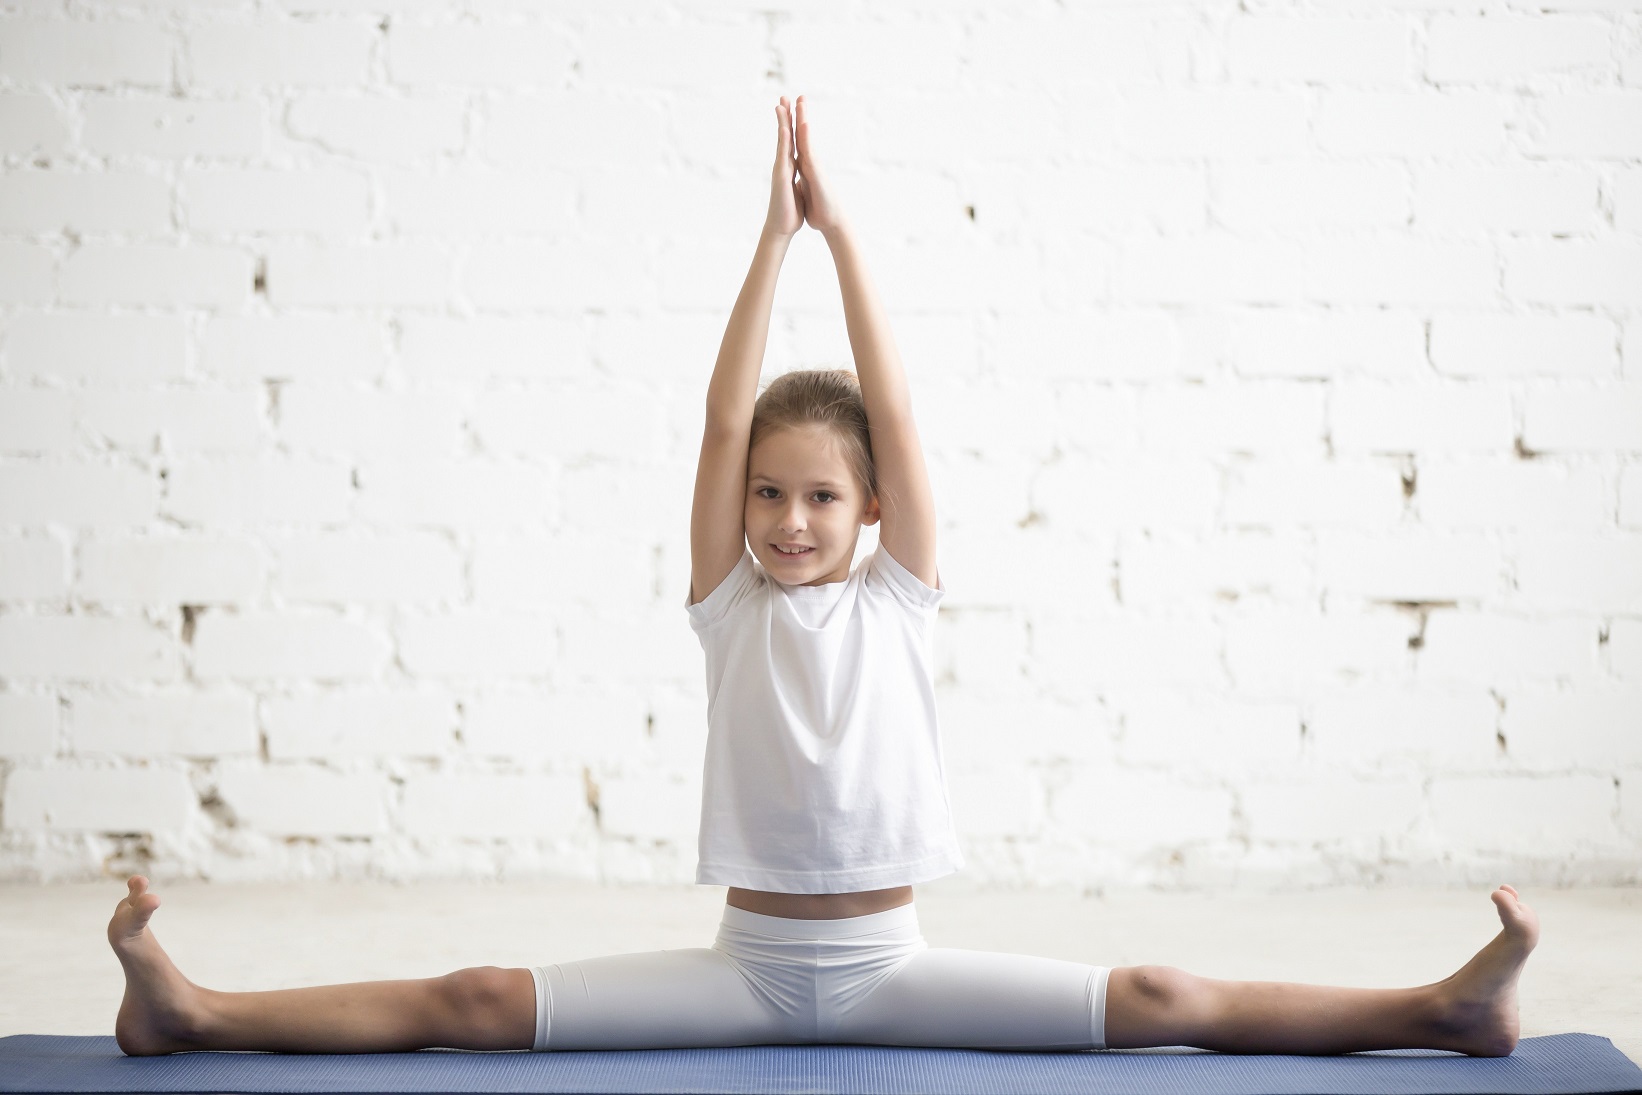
(871, 514)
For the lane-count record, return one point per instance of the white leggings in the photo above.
(866, 979)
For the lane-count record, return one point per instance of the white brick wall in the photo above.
(1280, 375)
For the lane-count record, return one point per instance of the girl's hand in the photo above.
(820, 206)
(786, 200)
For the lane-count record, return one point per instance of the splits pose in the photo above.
(824, 794)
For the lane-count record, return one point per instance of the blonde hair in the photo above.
(828, 398)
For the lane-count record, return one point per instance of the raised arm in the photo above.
(905, 500)
(717, 530)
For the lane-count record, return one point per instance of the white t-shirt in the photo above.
(824, 771)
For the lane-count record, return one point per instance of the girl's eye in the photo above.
(828, 494)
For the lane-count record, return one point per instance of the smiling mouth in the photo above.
(791, 554)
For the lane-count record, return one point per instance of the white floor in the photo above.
(57, 975)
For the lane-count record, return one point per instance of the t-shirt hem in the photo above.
(776, 880)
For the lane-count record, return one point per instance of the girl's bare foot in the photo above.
(162, 1011)
(1478, 1012)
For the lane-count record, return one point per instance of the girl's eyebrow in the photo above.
(768, 479)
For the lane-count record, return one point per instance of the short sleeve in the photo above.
(735, 587)
(904, 585)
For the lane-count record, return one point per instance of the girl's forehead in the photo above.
(799, 443)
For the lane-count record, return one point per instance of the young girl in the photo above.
(824, 797)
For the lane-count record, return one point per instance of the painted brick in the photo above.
(1457, 199)
(168, 570)
(247, 56)
(1576, 272)
(1086, 497)
(1630, 496)
(650, 806)
(1139, 810)
(1289, 653)
(1625, 648)
(85, 53)
(170, 128)
(302, 800)
(1216, 268)
(32, 567)
(268, 647)
(56, 201)
(409, 568)
(181, 724)
(569, 727)
(235, 493)
(28, 273)
(608, 572)
(1587, 125)
(1524, 815)
(406, 275)
(1168, 571)
(1412, 566)
(323, 202)
(1509, 50)
(1391, 271)
(1265, 50)
(1484, 494)
(1402, 727)
(1599, 418)
(1520, 346)
(484, 645)
(1181, 123)
(1412, 124)
(1001, 803)
(187, 420)
(335, 726)
(86, 648)
(439, 348)
(467, 494)
(1208, 735)
(1071, 652)
(393, 130)
(62, 800)
(1283, 494)
(1263, 342)
(372, 425)
(1250, 416)
(1579, 572)
(131, 274)
(28, 726)
(81, 494)
(1298, 193)
(32, 124)
(485, 203)
(1331, 807)
(329, 348)
(1596, 729)
(1374, 417)
(488, 807)
(128, 349)
(1500, 649)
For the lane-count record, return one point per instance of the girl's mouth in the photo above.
(791, 554)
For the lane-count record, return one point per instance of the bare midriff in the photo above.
(819, 906)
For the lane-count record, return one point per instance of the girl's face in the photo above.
(801, 492)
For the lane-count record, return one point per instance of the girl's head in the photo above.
(810, 475)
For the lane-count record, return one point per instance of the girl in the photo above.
(824, 797)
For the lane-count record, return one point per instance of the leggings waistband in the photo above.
(791, 928)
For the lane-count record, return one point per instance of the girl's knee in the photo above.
(493, 1001)
(1160, 991)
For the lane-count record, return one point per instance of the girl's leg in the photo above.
(163, 1011)
(1473, 1011)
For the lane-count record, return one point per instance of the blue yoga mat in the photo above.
(1559, 1063)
